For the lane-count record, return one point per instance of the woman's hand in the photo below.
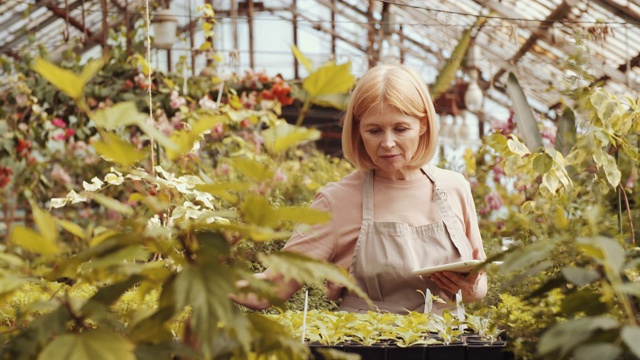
(451, 282)
(473, 285)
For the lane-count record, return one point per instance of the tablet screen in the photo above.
(461, 266)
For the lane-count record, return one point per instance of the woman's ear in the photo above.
(423, 128)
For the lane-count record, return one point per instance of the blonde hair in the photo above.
(401, 87)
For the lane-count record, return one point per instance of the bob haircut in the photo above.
(401, 87)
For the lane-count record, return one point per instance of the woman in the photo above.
(395, 213)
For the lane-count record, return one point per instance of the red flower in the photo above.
(22, 147)
(5, 176)
(245, 123)
(59, 123)
(70, 132)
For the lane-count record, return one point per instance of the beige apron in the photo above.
(386, 253)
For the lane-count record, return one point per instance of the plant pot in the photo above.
(481, 350)
(371, 352)
(453, 351)
(317, 349)
(415, 352)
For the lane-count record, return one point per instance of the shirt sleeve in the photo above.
(317, 241)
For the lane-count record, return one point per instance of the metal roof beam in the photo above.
(63, 13)
(558, 14)
(6, 48)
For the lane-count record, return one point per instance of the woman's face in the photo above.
(391, 139)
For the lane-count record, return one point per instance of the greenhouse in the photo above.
(319, 179)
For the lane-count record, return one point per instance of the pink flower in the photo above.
(59, 123)
(280, 177)
(60, 174)
(70, 132)
(632, 178)
(21, 99)
(61, 136)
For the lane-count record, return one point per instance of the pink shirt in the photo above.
(406, 201)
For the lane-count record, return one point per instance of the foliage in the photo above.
(187, 192)
(573, 222)
(372, 327)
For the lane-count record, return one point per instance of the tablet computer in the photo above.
(460, 266)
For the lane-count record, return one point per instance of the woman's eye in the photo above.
(402, 129)
(374, 131)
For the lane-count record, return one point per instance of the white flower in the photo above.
(95, 185)
(133, 177)
(75, 198)
(58, 202)
(114, 179)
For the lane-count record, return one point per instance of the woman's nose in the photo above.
(388, 141)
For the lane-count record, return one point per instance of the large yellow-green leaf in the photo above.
(448, 73)
(256, 170)
(251, 231)
(310, 271)
(223, 190)
(527, 126)
(630, 335)
(112, 204)
(32, 241)
(205, 289)
(207, 122)
(73, 228)
(91, 344)
(304, 215)
(115, 149)
(45, 222)
(120, 114)
(305, 61)
(329, 79)
(66, 80)
(256, 210)
(282, 137)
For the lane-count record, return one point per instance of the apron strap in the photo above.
(449, 219)
(367, 197)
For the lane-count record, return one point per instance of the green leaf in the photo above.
(307, 270)
(45, 222)
(100, 302)
(597, 351)
(526, 123)
(72, 227)
(630, 335)
(205, 288)
(448, 73)
(526, 257)
(92, 344)
(583, 302)
(223, 190)
(517, 147)
(542, 163)
(153, 328)
(32, 241)
(329, 79)
(611, 170)
(120, 114)
(65, 80)
(305, 61)
(563, 337)
(284, 136)
(580, 276)
(304, 215)
(606, 251)
(114, 149)
(566, 132)
(112, 204)
(257, 210)
(256, 170)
